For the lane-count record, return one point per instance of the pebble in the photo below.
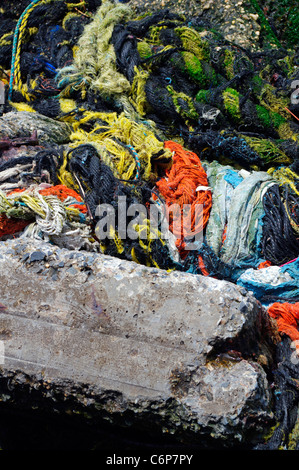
(72, 271)
(37, 256)
(224, 16)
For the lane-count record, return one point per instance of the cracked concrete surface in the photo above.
(186, 352)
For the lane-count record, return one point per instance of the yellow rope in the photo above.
(23, 88)
(129, 132)
(285, 176)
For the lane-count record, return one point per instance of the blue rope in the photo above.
(135, 154)
(14, 47)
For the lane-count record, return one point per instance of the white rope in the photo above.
(55, 211)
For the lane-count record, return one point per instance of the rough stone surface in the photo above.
(233, 20)
(132, 344)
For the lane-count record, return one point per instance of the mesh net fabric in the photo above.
(160, 110)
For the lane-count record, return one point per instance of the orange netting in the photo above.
(224, 235)
(9, 226)
(286, 315)
(60, 190)
(182, 186)
(264, 264)
(16, 190)
(202, 266)
(63, 192)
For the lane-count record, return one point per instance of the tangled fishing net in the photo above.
(163, 114)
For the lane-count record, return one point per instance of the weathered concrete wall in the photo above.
(132, 344)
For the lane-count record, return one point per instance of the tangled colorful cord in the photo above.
(163, 113)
